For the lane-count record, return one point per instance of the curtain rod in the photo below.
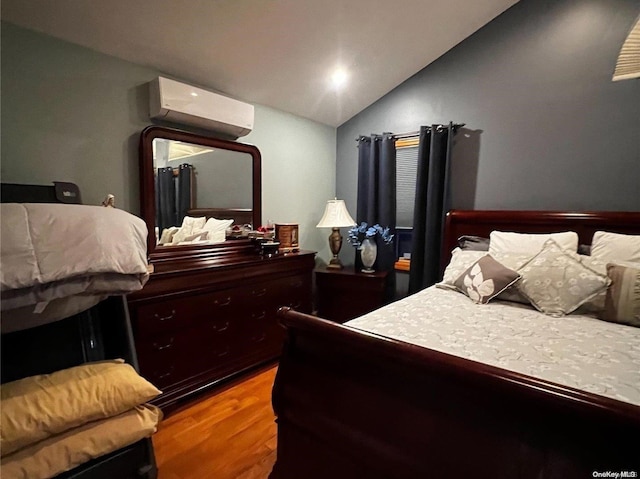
(414, 133)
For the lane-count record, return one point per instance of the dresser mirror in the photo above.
(194, 189)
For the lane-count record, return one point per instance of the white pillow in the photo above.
(191, 225)
(461, 260)
(214, 225)
(531, 244)
(167, 235)
(615, 247)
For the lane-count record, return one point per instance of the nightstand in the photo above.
(344, 294)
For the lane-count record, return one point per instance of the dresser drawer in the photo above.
(169, 358)
(295, 292)
(160, 317)
(190, 334)
(182, 313)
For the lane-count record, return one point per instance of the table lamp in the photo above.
(335, 217)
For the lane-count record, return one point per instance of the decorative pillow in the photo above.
(63, 452)
(37, 407)
(512, 261)
(505, 242)
(557, 282)
(485, 279)
(622, 304)
(615, 247)
(473, 243)
(595, 304)
(460, 261)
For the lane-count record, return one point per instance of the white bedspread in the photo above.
(52, 252)
(577, 351)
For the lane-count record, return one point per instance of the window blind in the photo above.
(406, 173)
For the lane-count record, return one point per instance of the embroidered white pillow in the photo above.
(557, 282)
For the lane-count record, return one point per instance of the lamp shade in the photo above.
(628, 64)
(336, 215)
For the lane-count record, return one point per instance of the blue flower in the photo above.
(359, 232)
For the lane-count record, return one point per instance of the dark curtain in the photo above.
(173, 195)
(165, 199)
(377, 192)
(431, 204)
(183, 191)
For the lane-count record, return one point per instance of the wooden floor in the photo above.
(228, 434)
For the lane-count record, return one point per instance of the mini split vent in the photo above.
(181, 103)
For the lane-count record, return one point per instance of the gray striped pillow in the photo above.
(622, 304)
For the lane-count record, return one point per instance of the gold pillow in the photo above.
(65, 451)
(37, 407)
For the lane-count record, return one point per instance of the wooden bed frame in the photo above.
(352, 404)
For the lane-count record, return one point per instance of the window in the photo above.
(406, 173)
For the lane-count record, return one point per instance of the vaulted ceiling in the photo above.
(279, 53)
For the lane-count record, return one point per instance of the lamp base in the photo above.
(335, 243)
(335, 264)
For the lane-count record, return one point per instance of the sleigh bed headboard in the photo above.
(482, 223)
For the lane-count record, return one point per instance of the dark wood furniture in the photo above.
(148, 194)
(344, 294)
(209, 312)
(195, 327)
(354, 404)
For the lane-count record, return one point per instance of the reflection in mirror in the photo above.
(194, 182)
(197, 190)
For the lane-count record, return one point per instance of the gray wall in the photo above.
(546, 126)
(72, 114)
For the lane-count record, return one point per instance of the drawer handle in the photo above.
(225, 302)
(164, 346)
(259, 339)
(223, 353)
(167, 374)
(165, 318)
(219, 328)
(259, 292)
(259, 316)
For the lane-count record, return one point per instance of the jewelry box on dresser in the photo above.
(208, 311)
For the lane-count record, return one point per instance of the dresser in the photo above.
(195, 327)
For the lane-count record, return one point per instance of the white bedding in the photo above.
(59, 259)
(577, 351)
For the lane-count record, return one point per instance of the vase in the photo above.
(368, 254)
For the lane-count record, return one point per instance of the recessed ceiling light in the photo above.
(193, 93)
(339, 78)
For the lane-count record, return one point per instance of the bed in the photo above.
(67, 344)
(355, 403)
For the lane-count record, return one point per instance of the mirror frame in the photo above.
(147, 188)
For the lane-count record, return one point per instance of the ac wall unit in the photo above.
(181, 103)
